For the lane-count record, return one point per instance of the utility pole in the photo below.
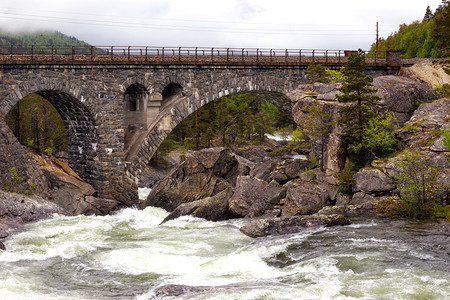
(376, 52)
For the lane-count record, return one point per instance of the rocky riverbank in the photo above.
(286, 195)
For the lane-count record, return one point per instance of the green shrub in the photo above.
(420, 188)
(346, 178)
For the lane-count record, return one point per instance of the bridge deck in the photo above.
(63, 55)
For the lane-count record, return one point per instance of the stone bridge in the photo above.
(116, 115)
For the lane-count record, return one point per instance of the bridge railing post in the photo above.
(128, 53)
(212, 54)
(339, 56)
(73, 54)
(300, 56)
(313, 56)
(162, 50)
(257, 56)
(52, 52)
(326, 57)
(112, 53)
(228, 55)
(270, 55)
(146, 53)
(242, 55)
(179, 54)
(196, 54)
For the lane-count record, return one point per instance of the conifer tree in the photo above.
(358, 93)
(317, 125)
(428, 14)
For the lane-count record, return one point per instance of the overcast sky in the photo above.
(311, 24)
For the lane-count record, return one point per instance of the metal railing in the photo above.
(50, 54)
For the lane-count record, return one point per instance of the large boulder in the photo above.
(306, 197)
(399, 94)
(76, 196)
(254, 196)
(203, 174)
(18, 209)
(372, 181)
(289, 225)
(213, 208)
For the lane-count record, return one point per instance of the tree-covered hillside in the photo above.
(39, 38)
(427, 38)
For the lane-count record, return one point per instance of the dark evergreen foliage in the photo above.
(357, 92)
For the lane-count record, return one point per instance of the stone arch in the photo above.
(170, 118)
(81, 127)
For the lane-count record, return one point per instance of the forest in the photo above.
(231, 121)
(429, 37)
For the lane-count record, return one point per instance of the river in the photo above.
(128, 255)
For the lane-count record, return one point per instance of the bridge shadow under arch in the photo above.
(82, 136)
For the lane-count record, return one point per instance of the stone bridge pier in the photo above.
(116, 116)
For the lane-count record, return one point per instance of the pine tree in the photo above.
(317, 125)
(428, 14)
(358, 93)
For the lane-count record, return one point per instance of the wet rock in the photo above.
(349, 210)
(203, 174)
(289, 225)
(3, 234)
(372, 181)
(176, 290)
(253, 197)
(213, 208)
(305, 198)
(18, 209)
(2, 246)
(75, 196)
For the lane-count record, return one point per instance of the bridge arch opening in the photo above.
(237, 121)
(171, 91)
(81, 133)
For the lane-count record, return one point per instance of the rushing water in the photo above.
(128, 255)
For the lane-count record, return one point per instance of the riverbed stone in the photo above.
(2, 246)
(292, 224)
(213, 208)
(254, 196)
(305, 197)
(3, 234)
(203, 174)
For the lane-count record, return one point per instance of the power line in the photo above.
(52, 19)
(185, 20)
